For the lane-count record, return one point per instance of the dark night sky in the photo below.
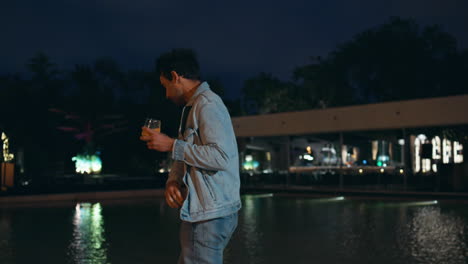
(234, 39)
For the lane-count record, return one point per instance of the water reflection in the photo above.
(89, 244)
(435, 237)
(250, 229)
(6, 250)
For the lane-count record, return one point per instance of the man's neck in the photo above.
(191, 89)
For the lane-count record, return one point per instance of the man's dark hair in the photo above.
(182, 61)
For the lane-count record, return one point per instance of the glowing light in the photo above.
(332, 199)
(426, 164)
(446, 150)
(422, 203)
(382, 170)
(87, 164)
(309, 150)
(249, 163)
(263, 195)
(364, 162)
(361, 170)
(379, 163)
(417, 155)
(268, 156)
(401, 171)
(7, 156)
(436, 148)
(308, 157)
(457, 152)
(419, 203)
(375, 148)
(401, 142)
(422, 137)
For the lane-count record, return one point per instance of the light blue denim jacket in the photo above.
(206, 159)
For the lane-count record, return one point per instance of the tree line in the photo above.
(398, 60)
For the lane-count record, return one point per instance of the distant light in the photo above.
(422, 137)
(457, 152)
(308, 157)
(421, 203)
(300, 157)
(161, 170)
(309, 150)
(7, 156)
(379, 163)
(87, 163)
(382, 170)
(385, 164)
(248, 158)
(401, 141)
(364, 162)
(263, 195)
(401, 171)
(361, 170)
(339, 198)
(332, 199)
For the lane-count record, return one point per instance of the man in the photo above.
(204, 180)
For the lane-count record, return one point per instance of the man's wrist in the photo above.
(171, 148)
(171, 182)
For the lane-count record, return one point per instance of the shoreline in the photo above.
(277, 190)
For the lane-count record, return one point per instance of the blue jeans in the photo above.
(204, 242)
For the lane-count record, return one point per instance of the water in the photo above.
(271, 230)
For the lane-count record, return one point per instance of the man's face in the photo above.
(173, 91)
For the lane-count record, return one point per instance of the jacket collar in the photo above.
(204, 86)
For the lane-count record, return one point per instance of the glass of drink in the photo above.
(153, 124)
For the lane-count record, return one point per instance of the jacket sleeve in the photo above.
(217, 136)
(177, 172)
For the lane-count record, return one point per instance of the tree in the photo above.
(395, 61)
(271, 95)
(45, 84)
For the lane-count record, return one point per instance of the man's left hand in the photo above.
(156, 140)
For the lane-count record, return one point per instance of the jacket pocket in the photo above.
(189, 135)
(207, 181)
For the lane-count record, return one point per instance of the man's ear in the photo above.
(175, 76)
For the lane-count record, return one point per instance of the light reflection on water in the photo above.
(272, 229)
(434, 237)
(250, 231)
(89, 242)
(337, 230)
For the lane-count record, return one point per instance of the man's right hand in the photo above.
(173, 194)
